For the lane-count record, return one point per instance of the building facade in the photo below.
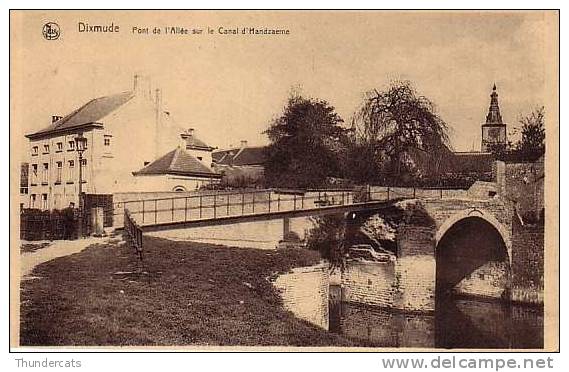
(124, 132)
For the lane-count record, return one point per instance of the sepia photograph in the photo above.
(284, 180)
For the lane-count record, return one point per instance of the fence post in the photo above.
(155, 210)
(414, 192)
(253, 201)
(269, 202)
(242, 202)
(302, 202)
(387, 192)
(227, 204)
(279, 202)
(186, 209)
(441, 191)
(342, 198)
(142, 210)
(172, 209)
(200, 206)
(215, 205)
(294, 198)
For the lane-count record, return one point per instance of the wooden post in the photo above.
(200, 206)
(142, 210)
(253, 202)
(242, 203)
(155, 210)
(294, 198)
(228, 204)
(186, 209)
(269, 202)
(387, 192)
(278, 202)
(215, 205)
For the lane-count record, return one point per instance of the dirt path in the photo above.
(56, 249)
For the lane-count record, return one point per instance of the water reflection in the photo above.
(457, 323)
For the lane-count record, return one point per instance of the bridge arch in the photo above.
(482, 214)
(473, 256)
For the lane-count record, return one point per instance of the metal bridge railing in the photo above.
(219, 205)
(133, 233)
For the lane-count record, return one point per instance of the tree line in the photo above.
(387, 139)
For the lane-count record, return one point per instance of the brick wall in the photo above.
(527, 263)
(305, 292)
(371, 283)
(524, 186)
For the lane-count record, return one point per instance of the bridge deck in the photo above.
(265, 216)
(234, 207)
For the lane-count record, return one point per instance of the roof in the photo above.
(192, 142)
(177, 162)
(241, 157)
(470, 162)
(90, 113)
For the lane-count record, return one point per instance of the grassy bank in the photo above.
(193, 294)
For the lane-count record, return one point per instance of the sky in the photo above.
(230, 87)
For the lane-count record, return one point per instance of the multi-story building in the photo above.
(124, 132)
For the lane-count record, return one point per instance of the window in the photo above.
(59, 146)
(58, 172)
(45, 173)
(34, 174)
(57, 201)
(43, 201)
(107, 141)
(46, 149)
(34, 151)
(33, 201)
(23, 190)
(71, 146)
(200, 158)
(71, 174)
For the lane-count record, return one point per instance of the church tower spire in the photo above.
(494, 130)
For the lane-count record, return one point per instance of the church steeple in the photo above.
(494, 130)
(494, 116)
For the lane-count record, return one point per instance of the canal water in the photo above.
(457, 323)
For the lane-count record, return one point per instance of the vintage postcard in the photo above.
(284, 180)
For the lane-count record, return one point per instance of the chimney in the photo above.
(55, 118)
(186, 135)
(142, 86)
(243, 144)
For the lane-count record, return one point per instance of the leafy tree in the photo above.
(396, 125)
(306, 142)
(532, 143)
(328, 236)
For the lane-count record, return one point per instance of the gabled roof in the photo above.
(240, 157)
(198, 144)
(89, 113)
(177, 162)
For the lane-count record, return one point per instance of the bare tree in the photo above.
(398, 123)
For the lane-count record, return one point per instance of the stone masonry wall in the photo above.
(305, 293)
(370, 283)
(490, 280)
(527, 263)
(415, 269)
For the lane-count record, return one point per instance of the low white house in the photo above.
(186, 168)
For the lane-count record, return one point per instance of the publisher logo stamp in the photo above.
(51, 31)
